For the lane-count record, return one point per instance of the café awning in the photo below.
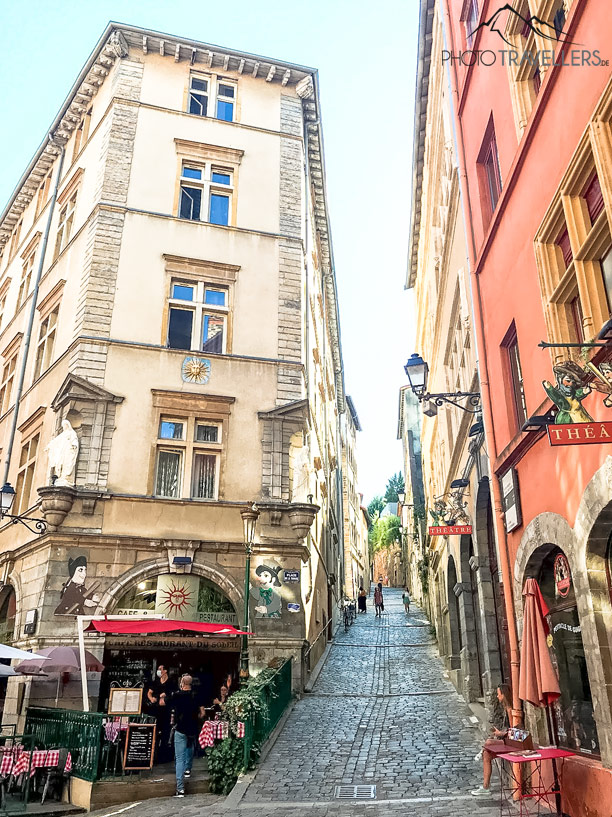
(144, 626)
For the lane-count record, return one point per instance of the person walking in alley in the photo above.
(379, 604)
(406, 600)
(361, 600)
(494, 745)
(185, 711)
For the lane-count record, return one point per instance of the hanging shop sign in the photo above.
(449, 530)
(449, 516)
(573, 424)
(563, 575)
(177, 596)
(511, 500)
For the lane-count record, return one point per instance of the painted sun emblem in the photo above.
(195, 370)
(175, 599)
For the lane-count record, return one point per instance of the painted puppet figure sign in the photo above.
(268, 603)
(75, 598)
(573, 425)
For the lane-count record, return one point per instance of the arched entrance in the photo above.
(573, 712)
(454, 618)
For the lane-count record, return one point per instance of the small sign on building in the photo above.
(449, 530)
(580, 433)
(292, 575)
(511, 499)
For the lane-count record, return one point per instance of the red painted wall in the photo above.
(550, 479)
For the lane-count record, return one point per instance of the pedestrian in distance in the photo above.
(496, 743)
(361, 600)
(185, 712)
(406, 600)
(379, 603)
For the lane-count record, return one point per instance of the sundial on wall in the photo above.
(195, 370)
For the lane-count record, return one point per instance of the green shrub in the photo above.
(224, 764)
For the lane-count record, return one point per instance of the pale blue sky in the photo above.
(366, 56)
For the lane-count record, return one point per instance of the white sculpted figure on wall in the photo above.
(63, 451)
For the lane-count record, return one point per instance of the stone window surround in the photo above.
(588, 242)
(50, 302)
(190, 407)
(197, 270)
(30, 427)
(202, 153)
(9, 353)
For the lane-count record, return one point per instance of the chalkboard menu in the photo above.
(139, 746)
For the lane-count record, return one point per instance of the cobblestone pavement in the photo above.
(381, 713)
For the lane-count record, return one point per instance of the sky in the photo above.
(366, 56)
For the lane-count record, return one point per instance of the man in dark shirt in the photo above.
(185, 710)
(159, 694)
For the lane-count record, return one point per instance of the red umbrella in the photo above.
(538, 682)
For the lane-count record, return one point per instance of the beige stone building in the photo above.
(186, 327)
(464, 595)
(356, 559)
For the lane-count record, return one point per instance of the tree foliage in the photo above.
(374, 508)
(394, 486)
(384, 532)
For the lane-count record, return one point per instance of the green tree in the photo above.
(394, 486)
(384, 532)
(375, 507)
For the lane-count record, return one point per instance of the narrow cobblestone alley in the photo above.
(381, 713)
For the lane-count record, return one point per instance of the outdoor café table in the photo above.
(41, 759)
(538, 791)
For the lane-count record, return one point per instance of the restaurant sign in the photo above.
(449, 530)
(580, 433)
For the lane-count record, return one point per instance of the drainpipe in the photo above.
(483, 371)
(28, 332)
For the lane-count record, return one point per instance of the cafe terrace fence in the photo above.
(275, 697)
(82, 733)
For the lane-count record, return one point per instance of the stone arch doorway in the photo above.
(454, 616)
(573, 713)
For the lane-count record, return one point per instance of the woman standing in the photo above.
(361, 600)
(379, 604)
(493, 746)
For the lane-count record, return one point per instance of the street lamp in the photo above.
(7, 497)
(417, 372)
(401, 496)
(249, 515)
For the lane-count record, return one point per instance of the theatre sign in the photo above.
(580, 433)
(573, 424)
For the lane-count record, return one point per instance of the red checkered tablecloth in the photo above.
(218, 730)
(17, 761)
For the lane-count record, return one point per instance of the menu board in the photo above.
(139, 746)
(125, 701)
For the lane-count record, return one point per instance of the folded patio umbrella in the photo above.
(538, 682)
(13, 652)
(60, 659)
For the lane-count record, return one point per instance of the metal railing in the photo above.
(275, 695)
(83, 734)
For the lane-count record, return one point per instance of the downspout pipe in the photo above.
(33, 305)
(483, 371)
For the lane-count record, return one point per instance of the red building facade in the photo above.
(532, 95)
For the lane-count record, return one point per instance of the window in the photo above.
(559, 19)
(210, 96)
(43, 193)
(515, 376)
(46, 343)
(210, 184)
(64, 228)
(192, 467)
(25, 475)
(15, 239)
(577, 319)
(225, 101)
(81, 134)
(564, 245)
(6, 386)
(198, 95)
(594, 198)
(197, 317)
(489, 173)
(469, 16)
(26, 279)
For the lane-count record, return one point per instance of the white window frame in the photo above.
(168, 418)
(64, 227)
(213, 94)
(26, 468)
(203, 449)
(26, 280)
(46, 342)
(168, 447)
(188, 447)
(8, 381)
(200, 310)
(209, 188)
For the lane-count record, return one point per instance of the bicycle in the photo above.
(348, 612)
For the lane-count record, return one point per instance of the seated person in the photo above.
(218, 706)
(495, 745)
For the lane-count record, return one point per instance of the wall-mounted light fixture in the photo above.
(417, 372)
